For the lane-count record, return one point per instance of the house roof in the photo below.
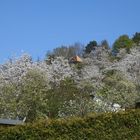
(10, 122)
(76, 59)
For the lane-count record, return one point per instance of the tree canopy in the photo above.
(90, 46)
(136, 38)
(67, 51)
(123, 42)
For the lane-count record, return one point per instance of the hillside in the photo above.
(56, 88)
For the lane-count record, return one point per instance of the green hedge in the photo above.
(108, 126)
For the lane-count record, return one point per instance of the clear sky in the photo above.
(35, 26)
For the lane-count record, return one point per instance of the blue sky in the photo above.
(35, 26)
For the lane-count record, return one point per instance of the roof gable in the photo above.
(76, 59)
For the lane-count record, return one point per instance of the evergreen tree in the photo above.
(91, 46)
(136, 38)
(122, 42)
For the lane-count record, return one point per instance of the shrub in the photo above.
(108, 126)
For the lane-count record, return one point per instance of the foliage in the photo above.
(105, 44)
(57, 89)
(49, 58)
(67, 100)
(66, 51)
(136, 38)
(8, 101)
(123, 42)
(113, 58)
(107, 126)
(25, 99)
(117, 89)
(79, 66)
(34, 90)
(90, 46)
(32, 98)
